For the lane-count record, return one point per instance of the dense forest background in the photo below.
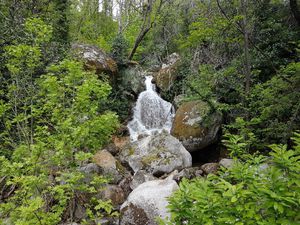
(240, 57)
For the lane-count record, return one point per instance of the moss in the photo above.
(146, 160)
(120, 168)
(131, 151)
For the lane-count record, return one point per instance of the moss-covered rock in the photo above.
(95, 59)
(157, 154)
(189, 127)
(166, 76)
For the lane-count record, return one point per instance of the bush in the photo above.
(259, 190)
(41, 182)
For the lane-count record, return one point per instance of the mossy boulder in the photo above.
(156, 154)
(95, 59)
(166, 76)
(191, 129)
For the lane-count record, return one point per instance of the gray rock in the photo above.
(210, 168)
(157, 154)
(188, 173)
(227, 163)
(140, 177)
(133, 77)
(90, 168)
(147, 202)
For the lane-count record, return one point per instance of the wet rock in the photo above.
(140, 177)
(157, 154)
(133, 77)
(95, 59)
(166, 76)
(147, 202)
(113, 193)
(189, 128)
(209, 168)
(227, 163)
(110, 166)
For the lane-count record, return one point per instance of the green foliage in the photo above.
(74, 98)
(275, 104)
(119, 49)
(259, 190)
(51, 126)
(88, 25)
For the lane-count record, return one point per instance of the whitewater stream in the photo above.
(151, 114)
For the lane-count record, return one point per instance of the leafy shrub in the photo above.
(41, 182)
(119, 49)
(259, 190)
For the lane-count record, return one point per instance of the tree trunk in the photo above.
(147, 24)
(247, 65)
(295, 10)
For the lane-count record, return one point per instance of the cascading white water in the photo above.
(152, 114)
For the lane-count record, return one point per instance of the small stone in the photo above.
(90, 168)
(227, 163)
(113, 193)
(209, 168)
(188, 173)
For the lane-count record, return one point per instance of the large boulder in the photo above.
(110, 166)
(95, 59)
(148, 202)
(189, 128)
(156, 154)
(133, 79)
(166, 76)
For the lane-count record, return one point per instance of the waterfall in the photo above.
(151, 114)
